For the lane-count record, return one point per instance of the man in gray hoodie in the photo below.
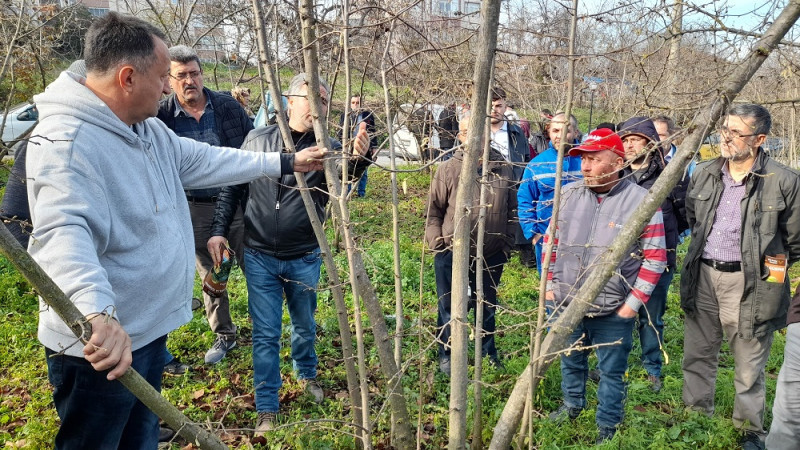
(111, 226)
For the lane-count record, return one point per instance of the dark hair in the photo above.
(184, 54)
(115, 39)
(762, 120)
(609, 125)
(498, 93)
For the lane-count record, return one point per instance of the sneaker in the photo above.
(196, 303)
(594, 375)
(219, 349)
(605, 434)
(314, 390)
(751, 441)
(444, 365)
(655, 383)
(265, 422)
(165, 434)
(565, 412)
(175, 367)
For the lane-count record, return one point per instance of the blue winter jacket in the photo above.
(535, 195)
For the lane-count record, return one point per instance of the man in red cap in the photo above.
(593, 212)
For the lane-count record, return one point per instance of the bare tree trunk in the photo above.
(333, 274)
(487, 43)
(675, 30)
(548, 250)
(55, 298)
(359, 277)
(556, 340)
(480, 262)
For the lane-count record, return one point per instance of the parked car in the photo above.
(710, 147)
(19, 120)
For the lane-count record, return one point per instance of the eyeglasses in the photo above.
(728, 134)
(183, 76)
(323, 99)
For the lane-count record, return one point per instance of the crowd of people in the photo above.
(138, 168)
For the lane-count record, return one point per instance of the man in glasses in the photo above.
(745, 219)
(195, 112)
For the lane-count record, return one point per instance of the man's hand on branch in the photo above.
(109, 347)
(309, 160)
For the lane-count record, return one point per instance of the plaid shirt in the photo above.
(723, 242)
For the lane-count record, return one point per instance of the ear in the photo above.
(125, 76)
(760, 140)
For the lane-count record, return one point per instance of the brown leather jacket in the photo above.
(500, 215)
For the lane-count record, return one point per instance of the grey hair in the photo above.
(573, 121)
(299, 80)
(762, 120)
(671, 128)
(184, 54)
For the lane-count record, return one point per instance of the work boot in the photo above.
(314, 390)
(564, 412)
(751, 441)
(655, 383)
(605, 434)
(265, 422)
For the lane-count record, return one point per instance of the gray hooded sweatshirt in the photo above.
(111, 221)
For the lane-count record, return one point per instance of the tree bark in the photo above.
(487, 43)
(556, 340)
(362, 284)
(55, 298)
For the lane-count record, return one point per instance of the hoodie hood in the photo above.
(81, 104)
(641, 126)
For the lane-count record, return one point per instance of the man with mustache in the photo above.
(195, 112)
(745, 220)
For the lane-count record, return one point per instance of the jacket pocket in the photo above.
(768, 215)
(771, 301)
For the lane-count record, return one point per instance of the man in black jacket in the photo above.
(195, 112)
(281, 253)
(644, 165)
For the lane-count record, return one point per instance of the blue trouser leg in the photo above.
(301, 300)
(537, 248)
(443, 269)
(651, 335)
(784, 434)
(362, 185)
(575, 369)
(267, 280)
(612, 360)
(96, 413)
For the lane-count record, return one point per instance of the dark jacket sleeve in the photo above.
(228, 201)
(15, 209)
(678, 199)
(233, 123)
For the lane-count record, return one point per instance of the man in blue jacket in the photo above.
(535, 195)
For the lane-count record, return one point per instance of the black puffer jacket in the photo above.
(275, 219)
(673, 215)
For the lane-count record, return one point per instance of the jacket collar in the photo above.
(715, 167)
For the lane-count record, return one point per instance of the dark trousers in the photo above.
(492, 271)
(100, 414)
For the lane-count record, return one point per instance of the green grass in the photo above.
(223, 394)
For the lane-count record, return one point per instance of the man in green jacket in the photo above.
(745, 219)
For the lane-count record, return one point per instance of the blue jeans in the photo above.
(651, 336)
(100, 414)
(268, 279)
(443, 268)
(612, 361)
(362, 185)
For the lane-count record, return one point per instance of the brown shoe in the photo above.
(266, 422)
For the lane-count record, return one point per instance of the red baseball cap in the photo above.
(599, 140)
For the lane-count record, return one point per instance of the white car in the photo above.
(19, 121)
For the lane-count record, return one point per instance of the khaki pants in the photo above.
(717, 310)
(217, 308)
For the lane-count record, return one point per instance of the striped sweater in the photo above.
(586, 228)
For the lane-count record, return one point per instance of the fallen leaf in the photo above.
(198, 394)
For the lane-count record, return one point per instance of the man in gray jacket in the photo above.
(593, 212)
(745, 218)
(111, 227)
